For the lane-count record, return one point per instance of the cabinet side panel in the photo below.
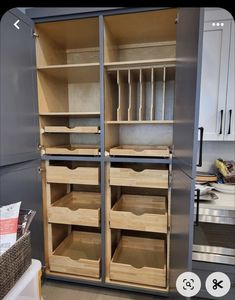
(19, 130)
(187, 87)
(22, 182)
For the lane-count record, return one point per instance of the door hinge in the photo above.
(172, 150)
(40, 170)
(177, 18)
(170, 180)
(35, 34)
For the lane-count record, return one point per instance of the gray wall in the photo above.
(214, 150)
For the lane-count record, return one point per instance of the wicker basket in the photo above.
(14, 262)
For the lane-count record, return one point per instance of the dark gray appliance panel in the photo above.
(22, 182)
(19, 128)
(187, 87)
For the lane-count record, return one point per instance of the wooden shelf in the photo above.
(149, 178)
(140, 63)
(72, 150)
(140, 150)
(139, 212)
(72, 114)
(77, 208)
(65, 129)
(141, 122)
(73, 72)
(79, 175)
(78, 254)
(139, 260)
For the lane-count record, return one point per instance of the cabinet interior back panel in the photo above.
(152, 26)
(145, 134)
(84, 97)
(146, 51)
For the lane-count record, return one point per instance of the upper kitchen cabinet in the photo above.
(140, 38)
(72, 42)
(217, 104)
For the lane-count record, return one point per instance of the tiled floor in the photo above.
(57, 290)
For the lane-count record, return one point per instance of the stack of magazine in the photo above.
(25, 219)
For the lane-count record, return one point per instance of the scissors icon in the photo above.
(217, 284)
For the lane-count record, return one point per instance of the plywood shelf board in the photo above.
(154, 63)
(141, 122)
(72, 114)
(68, 129)
(68, 66)
(72, 73)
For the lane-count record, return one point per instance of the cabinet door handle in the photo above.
(229, 122)
(197, 207)
(221, 120)
(200, 147)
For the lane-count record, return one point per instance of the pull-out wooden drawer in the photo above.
(79, 175)
(149, 178)
(138, 150)
(77, 208)
(137, 212)
(73, 150)
(78, 254)
(139, 260)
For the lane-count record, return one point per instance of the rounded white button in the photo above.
(188, 284)
(218, 284)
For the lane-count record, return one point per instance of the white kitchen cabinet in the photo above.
(217, 81)
(229, 134)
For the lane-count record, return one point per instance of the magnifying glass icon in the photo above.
(188, 284)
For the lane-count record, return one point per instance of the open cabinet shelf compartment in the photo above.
(139, 36)
(79, 254)
(77, 208)
(139, 260)
(135, 95)
(59, 43)
(139, 212)
(69, 135)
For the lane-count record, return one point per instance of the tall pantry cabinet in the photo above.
(116, 108)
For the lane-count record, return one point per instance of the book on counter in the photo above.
(205, 177)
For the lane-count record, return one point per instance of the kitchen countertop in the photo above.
(221, 210)
(225, 201)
